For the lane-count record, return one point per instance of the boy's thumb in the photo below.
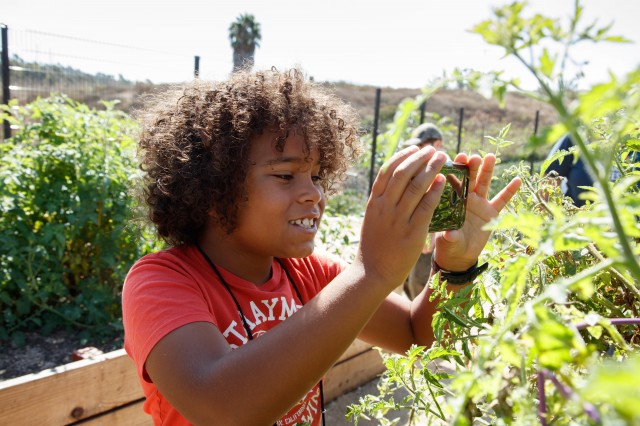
(451, 236)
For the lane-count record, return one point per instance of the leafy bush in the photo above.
(67, 238)
(549, 334)
(338, 235)
(348, 202)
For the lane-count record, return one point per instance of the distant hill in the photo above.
(518, 109)
(481, 116)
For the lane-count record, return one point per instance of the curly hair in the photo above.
(195, 140)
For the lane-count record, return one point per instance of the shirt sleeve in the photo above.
(158, 297)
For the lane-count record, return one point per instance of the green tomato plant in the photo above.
(550, 333)
(67, 229)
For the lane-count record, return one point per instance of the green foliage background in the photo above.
(67, 234)
(545, 336)
(549, 334)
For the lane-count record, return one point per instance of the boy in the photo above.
(237, 323)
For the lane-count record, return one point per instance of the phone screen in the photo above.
(452, 207)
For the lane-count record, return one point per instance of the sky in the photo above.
(391, 43)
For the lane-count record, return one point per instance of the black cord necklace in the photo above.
(245, 324)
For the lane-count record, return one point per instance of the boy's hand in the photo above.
(403, 199)
(459, 250)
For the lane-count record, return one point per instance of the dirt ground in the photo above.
(337, 408)
(39, 352)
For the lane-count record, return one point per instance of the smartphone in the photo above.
(452, 206)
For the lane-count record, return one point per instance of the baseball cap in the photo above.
(422, 133)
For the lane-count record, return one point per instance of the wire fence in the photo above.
(40, 63)
(36, 64)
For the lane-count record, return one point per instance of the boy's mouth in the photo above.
(305, 223)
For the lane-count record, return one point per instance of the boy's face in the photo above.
(285, 200)
(437, 144)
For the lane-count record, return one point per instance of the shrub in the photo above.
(67, 238)
(549, 334)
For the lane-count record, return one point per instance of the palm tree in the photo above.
(244, 35)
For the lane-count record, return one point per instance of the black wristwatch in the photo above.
(458, 278)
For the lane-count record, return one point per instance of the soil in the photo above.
(43, 352)
(337, 409)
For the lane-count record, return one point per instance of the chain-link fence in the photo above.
(36, 64)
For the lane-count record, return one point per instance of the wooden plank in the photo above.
(129, 415)
(357, 347)
(347, 375)
(105, 390)
(70, 392)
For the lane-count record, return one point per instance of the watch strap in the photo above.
(458, 278)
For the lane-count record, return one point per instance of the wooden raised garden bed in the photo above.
(105, 391)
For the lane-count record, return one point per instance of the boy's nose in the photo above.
(311, 191)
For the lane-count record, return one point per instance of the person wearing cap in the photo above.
(423, 135)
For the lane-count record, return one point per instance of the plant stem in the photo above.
(568, 393)
(628, 285)
(614, 321)
(542, 400)
(556, 102)
(632, 262)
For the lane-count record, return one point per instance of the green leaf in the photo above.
(18, 339)
(547, 64)
(555, 343)
(616, 384)
(528, 223)
(508, 349)
(595, 331)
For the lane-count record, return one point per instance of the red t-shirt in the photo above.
(166, 290)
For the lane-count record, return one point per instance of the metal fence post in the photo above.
(6, 94)
(460, 129)
(196, 67)
(535, 132)
(423, 107)
(375, 137)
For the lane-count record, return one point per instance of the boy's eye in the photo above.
(284, 177)
(287, 177)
